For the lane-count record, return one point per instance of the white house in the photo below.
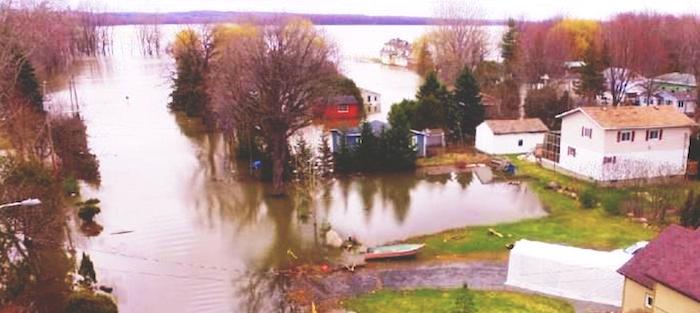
(510, 136)
(396, 52)
(683, 101)
(372, 100)
(628, 142)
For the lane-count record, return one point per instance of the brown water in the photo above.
(186, 231)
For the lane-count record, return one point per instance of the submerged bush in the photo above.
(90, 302)
(88, 210)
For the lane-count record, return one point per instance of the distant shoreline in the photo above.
(212, 17)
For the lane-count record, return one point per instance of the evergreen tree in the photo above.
(189, 90)
(509, 47)
(27, 87)
(545, 105)
(368, 151)
(432, 99)
(344, 159)
(325, 158)
(398, 152)
(467, 109)
(87, 271)
(592, 79)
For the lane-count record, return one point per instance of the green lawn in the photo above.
(567, 223)
(447, 301)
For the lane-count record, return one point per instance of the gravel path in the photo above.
(406, 275)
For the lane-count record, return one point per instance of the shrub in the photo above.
(612, 202)
(90, 302)
(588, 198)
(87, 212)
(71, 187)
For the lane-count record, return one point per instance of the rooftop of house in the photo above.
(671, 259)
(527, 125)
(677, 78)
(342, 100)
(634, 116)
(377, 128)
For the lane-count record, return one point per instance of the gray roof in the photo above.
(527, 125)
(677, 78)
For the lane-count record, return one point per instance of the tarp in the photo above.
(568, 272)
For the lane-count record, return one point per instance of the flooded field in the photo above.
(186, 230)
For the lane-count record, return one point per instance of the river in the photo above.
(185, 230)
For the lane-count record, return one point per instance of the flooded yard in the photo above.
(186, 229)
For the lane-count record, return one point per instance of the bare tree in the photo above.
(460, 39)
(631, 46)
(271, 79)
(149, 36)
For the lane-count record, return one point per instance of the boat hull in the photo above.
(393, 254)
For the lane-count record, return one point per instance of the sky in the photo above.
(495, 9)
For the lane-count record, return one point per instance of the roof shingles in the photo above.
(635, 117)
(527, 125)
(671, 259)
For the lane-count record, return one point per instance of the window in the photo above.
(375, 98)
(609, 160)
(520, 143)
(681, 104)
(369, 98)
(587, 132)
(571, 151)
(625, 135)
(654, 134)
(343, 108)
(648, 301)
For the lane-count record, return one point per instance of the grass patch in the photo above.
(567, 223)
(453, 159)
(447, 301)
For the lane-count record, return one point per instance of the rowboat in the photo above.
(393, 251)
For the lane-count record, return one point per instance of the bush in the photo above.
(612, 202)
(90, 302)
(71, 187)
(588, 198)
(87, 212)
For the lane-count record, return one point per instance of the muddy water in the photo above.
(185, 230)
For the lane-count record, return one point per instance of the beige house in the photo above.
(664, 277)
(619, 143)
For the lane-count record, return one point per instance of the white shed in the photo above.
(510, 136)
(569, 272)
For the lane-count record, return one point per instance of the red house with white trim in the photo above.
(340, 107)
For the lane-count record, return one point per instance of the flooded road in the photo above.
(185, 230)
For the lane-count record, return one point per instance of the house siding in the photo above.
(488, 142)
(633, 297)
(640, 158)
(669, 301)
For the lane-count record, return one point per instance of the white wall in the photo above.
(489, 143)
(639, 159)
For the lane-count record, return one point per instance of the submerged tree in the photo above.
(189, 83)
(273, 78)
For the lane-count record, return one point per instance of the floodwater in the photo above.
(185, 229)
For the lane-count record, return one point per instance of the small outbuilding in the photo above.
(510, 136)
